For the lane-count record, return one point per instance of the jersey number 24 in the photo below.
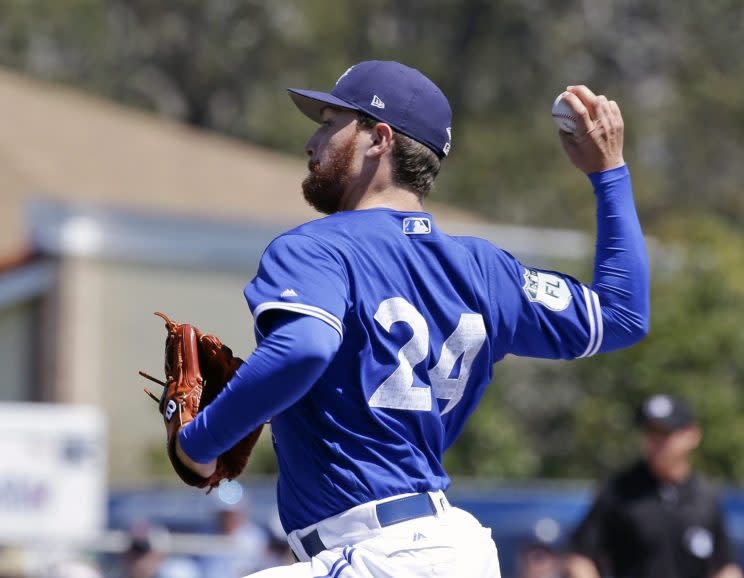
(397, 391)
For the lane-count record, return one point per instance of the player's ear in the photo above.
(382, 136)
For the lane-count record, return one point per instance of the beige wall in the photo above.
(17, 338)
(108, 332)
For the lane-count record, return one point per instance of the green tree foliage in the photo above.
(579, 414)
(676, 68)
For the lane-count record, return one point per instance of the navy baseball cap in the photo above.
(665, 412)
(392, 93)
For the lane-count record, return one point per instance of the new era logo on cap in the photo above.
(392, 93)
(376, 102)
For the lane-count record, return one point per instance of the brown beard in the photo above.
(324, 188)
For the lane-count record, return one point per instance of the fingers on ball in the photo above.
(583, 116)
(574, 102)
(587, 97)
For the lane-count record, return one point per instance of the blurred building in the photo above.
(109, 214)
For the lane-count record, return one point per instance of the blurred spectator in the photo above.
(538, 560)
(656, 519)
(144, 558)
(249, 541)
(140, 560)
(278, 552)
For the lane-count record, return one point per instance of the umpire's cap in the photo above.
(665, 412)
(392, 93)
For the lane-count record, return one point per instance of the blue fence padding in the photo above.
(517, 515)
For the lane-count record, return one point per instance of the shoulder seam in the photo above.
(330, 249)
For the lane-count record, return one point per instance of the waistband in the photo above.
(363, 521)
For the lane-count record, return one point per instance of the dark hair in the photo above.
(415, 165)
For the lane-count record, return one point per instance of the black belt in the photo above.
(388, 513)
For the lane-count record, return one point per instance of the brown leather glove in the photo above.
(197, 368)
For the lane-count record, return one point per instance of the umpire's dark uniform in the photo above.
(640, 527)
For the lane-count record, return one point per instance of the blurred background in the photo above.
(148, 153)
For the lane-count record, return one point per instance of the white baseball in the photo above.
(563, 115)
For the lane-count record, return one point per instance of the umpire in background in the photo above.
(656, 519)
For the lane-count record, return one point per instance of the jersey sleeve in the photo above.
(279, 372)
(302, 275)
(539, 313)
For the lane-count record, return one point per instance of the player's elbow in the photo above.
(625, 333)
(632, 334)
(639, 322)
(643, 329)
(637, 327)
(637, 333)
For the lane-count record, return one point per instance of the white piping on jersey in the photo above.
(596, 329)
(588, 303)
(600, 324)
(310, 310)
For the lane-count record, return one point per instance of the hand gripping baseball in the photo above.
(597, 143)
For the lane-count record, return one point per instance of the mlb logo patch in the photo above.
(416, 226)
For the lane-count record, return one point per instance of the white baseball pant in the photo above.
(449, 543)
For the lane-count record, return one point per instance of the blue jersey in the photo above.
(423, 316)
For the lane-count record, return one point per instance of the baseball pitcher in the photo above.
(377, 332)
